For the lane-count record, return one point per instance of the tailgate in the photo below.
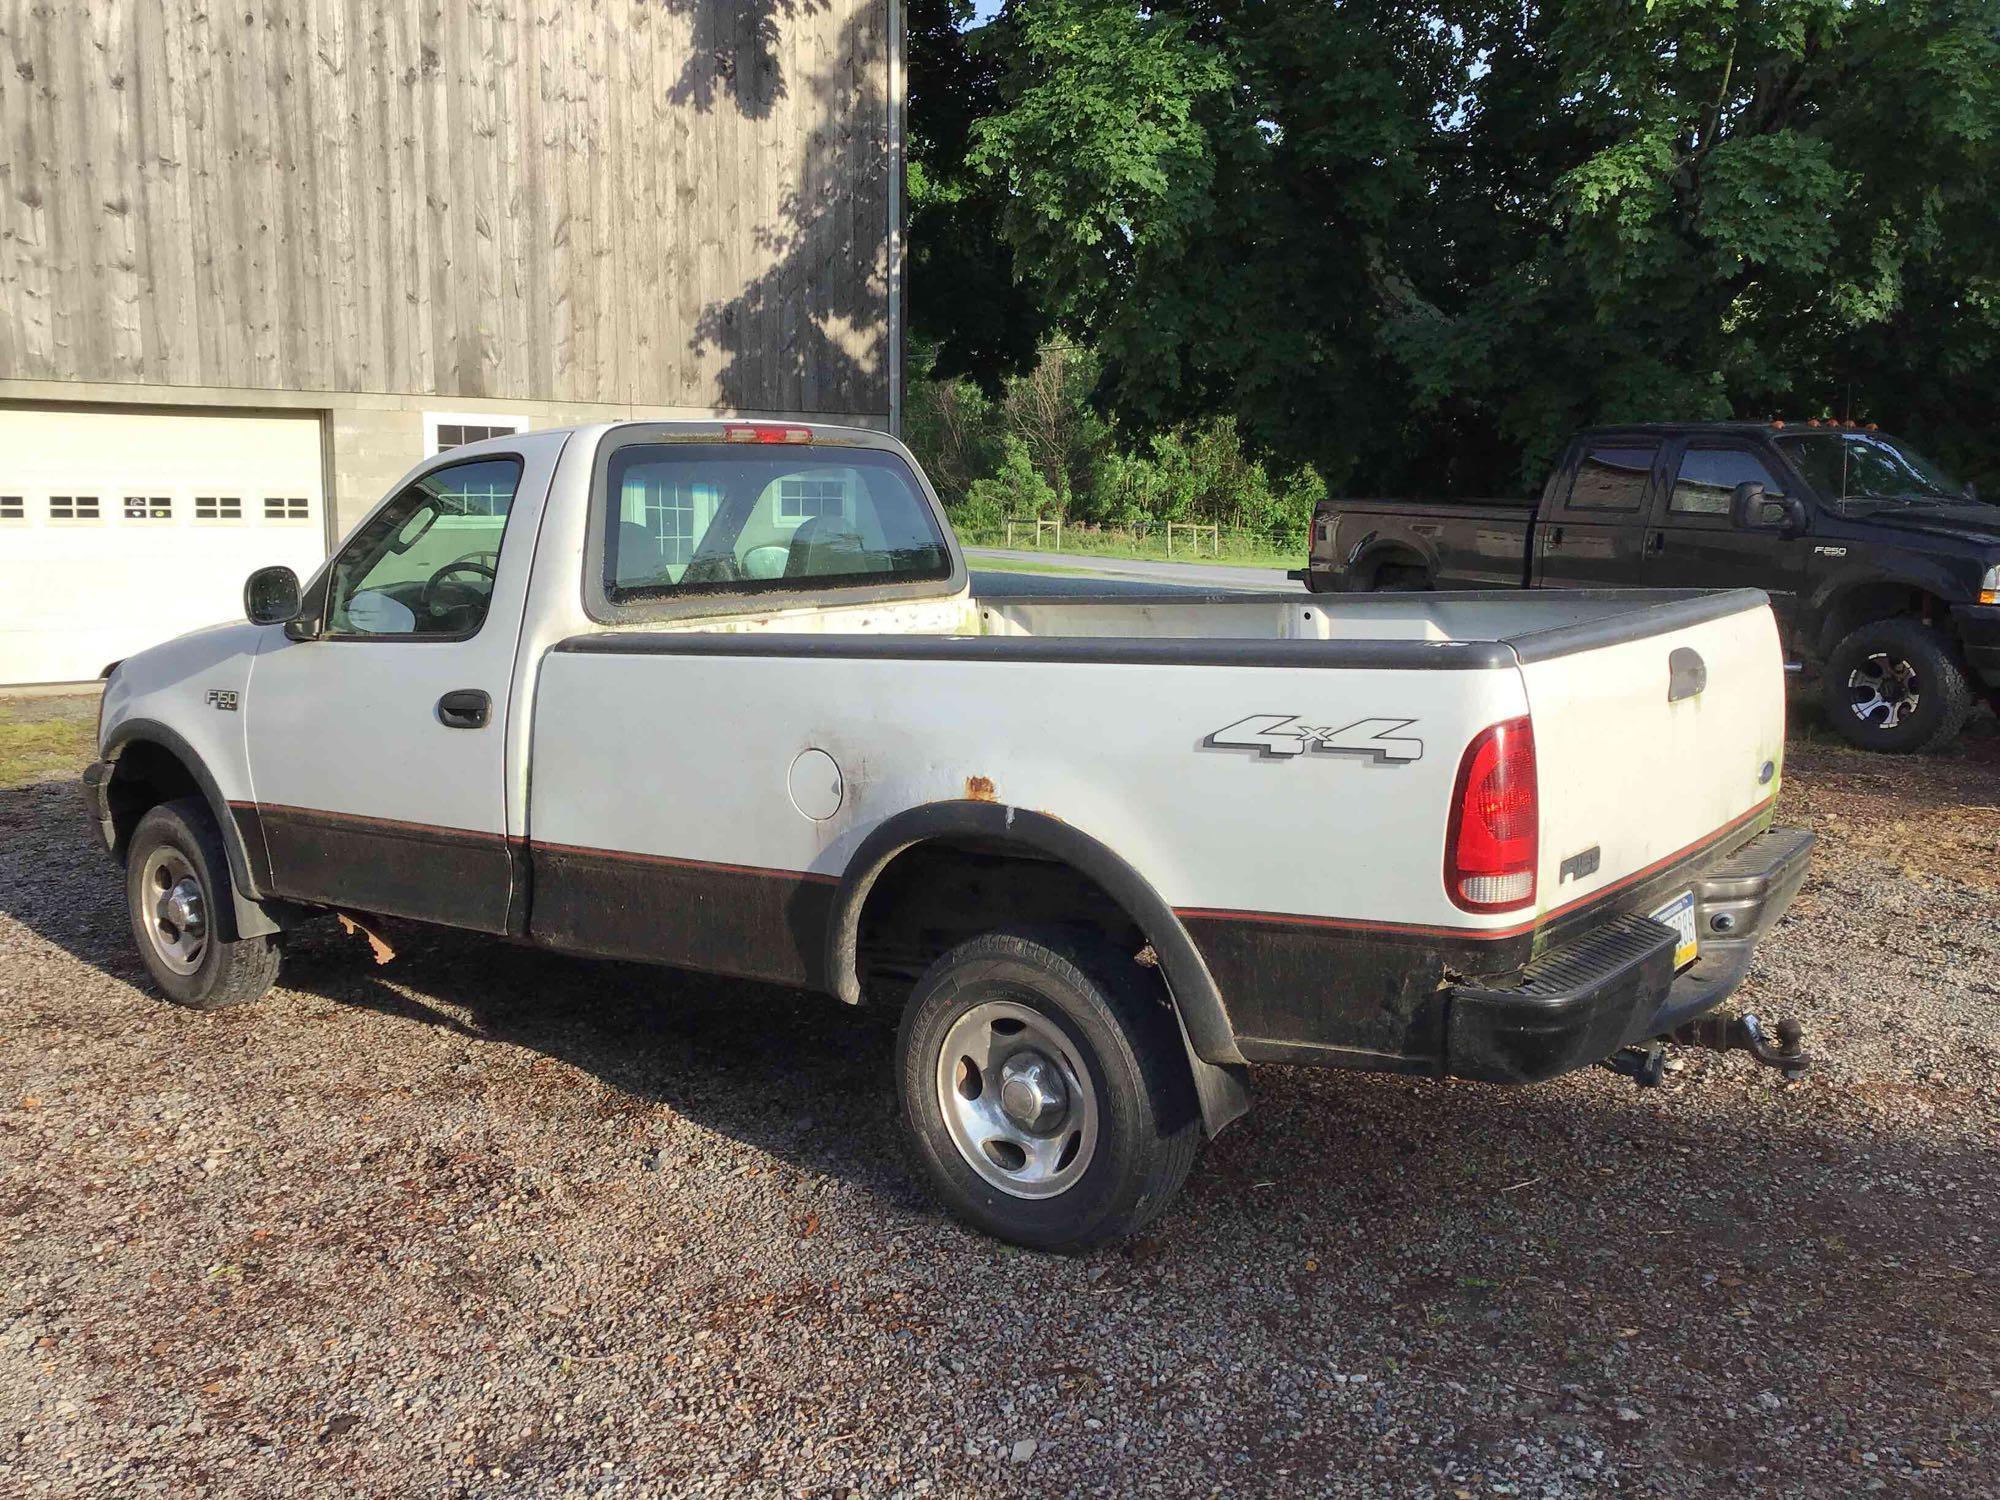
(1635, 760)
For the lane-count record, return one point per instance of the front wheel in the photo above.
(178, 894)
(1045, 1090)
(1895, 686)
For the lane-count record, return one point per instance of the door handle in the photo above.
(1556, 537)
(1657, 542)
(464, 708)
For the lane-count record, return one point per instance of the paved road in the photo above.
(1203, 575)
(994, 585)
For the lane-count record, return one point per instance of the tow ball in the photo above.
(1782, 1048)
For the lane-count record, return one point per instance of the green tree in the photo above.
(1016, 490)
(1417, 246)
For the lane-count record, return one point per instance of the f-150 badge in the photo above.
(1276, 736)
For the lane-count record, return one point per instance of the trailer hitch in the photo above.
(1782, 1049)
(1745, 1033)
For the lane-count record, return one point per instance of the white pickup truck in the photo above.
(718, 695)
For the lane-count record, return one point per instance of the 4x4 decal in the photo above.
(1278, 736)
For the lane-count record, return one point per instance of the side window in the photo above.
(1708, 478)
(1612, 476)
(424, 565)
(690, 518)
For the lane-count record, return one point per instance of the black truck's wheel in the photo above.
(1046, 1091)
(1895, 686)
(177, 891)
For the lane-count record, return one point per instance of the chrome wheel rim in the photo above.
(1017, 1099)
(174, 910)
(1883, 685)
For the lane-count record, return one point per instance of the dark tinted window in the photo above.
(1612, 477)
(1708, 478)
(688, 518)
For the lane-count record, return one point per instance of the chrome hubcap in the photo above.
(1886, 686)
(1016, 1099)
(176, 911)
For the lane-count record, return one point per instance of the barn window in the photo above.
(444, 431)
(218, 507)
(458, 434)
(807, 496)
(72, 507)
(11, 508)
(475, 490)
(285, 508)
(149, 508)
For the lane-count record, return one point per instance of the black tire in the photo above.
(1402, 578)
(1928, 707)
(203, 964)
(1105, 1017)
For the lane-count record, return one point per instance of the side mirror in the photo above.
(1972, 491)
(271, 596)
(1750, 509)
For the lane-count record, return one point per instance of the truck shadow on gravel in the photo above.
(795, 1074)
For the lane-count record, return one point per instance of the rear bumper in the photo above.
(1979, 633)
(1614, 984)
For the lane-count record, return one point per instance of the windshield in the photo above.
(1868, 466)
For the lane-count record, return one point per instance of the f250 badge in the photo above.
(223, 699)
(1278, 736)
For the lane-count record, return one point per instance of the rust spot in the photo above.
(979, 788)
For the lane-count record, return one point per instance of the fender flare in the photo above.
(1219, 1074)
(252, 920)
(1822, 607)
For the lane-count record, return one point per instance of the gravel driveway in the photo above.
(488, 1222)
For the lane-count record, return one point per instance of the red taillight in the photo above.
(1491, 846)
(766, 432)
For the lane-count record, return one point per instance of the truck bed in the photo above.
(1533, 626)
(1448, 543)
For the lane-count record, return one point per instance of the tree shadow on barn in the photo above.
(736, 52)
(810, 332)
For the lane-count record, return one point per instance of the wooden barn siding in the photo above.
(670, 202)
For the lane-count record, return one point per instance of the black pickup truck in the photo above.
(1884, 574)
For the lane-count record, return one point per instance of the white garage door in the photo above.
(121, 529)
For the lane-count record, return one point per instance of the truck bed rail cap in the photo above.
(1178, 651)
(1653, 612)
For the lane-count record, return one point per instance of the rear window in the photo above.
(1612, 476)
(721, 518)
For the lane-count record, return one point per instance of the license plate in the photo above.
(1679, 915)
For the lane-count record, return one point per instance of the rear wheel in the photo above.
(1045, 1090)
(1402, 578)
(183, 917)
(1896, 686)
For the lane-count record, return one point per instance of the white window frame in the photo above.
(433, 420)
(827, 478)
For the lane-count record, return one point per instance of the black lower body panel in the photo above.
(453, 876)
(725, 919)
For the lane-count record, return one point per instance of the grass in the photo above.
(1236, 551)
(1018, 565)
(46, 739)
